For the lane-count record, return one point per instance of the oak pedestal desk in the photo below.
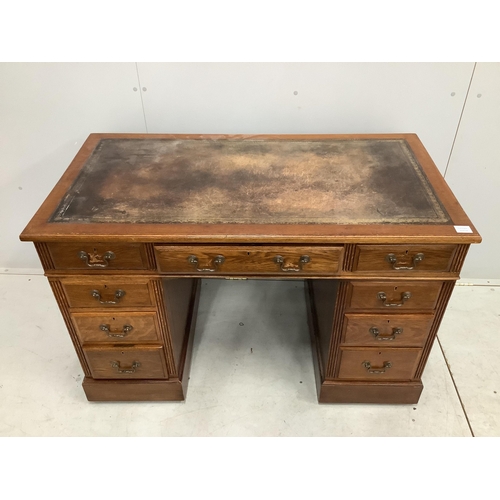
(367, 222)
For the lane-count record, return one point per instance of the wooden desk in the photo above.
(366, 221)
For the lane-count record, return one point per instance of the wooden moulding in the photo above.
(165, 333)
(44, 256)
(444, 297)
(349, 255)
(62, 302)
(187, 346)
(459, 258)
(133, 390)
(312, 320)
(332, 391)
(337, 329)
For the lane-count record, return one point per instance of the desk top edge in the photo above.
(39, 229)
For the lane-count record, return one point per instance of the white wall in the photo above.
(474, 169)
(331, 98)
(47, 110)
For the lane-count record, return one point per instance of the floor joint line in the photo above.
(456, 388)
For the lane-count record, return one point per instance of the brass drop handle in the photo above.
(376, 333)
(95, 260)
(286, 268)
(377, 371)
(217, 261)
(131, 369)
(117, 333)
(404, 297)
(391, 258)
(118, 295)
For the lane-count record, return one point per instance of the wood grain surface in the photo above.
(403, 363)
(125, 256)
(79, 292)
(364, 295)
(375, 258)
(143, 327)
(414, 329)
(150, 360)
(248, 259)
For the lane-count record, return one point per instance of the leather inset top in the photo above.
(254, 181)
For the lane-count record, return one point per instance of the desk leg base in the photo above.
(363, 392)
(133, 390)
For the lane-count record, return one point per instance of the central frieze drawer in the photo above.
(206, 260)
(118, 327)
(126, 362)
(394, 296)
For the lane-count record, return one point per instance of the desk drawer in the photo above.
(98, 256)
(291, 261)
(112, 292)
(125, 362)
(118, 327)
(406, 330)
(375, 364)
(394, 296)
(400, 259)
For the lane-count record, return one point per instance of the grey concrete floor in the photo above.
(251, 374)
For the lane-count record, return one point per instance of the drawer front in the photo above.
(380, 329)
(112, 293)
(290, 261)
(394, 296)
(118, 327)
(98, 256)
(399, 259)
(126, 362)
(378, 364)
